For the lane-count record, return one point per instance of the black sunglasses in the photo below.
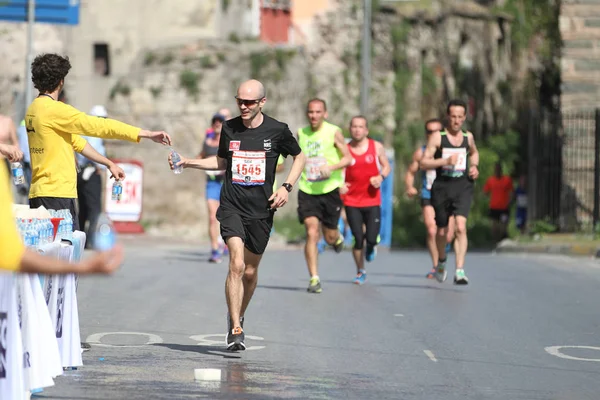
(248, 103)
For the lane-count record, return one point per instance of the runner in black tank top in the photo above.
(454, 154)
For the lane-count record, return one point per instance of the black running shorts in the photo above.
(451, 197)
(326, 207)
(254, 233)
(499, 215)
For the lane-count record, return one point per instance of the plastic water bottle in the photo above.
(175, 158)
(69, 224)
(105, 236)
(117, 191)
(17, 173)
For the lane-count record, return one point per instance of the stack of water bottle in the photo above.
(37, 232)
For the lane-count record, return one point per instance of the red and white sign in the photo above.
(129, 208)
(234, 145)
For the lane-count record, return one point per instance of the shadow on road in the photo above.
(289, 288)
(397, 285)
(218, 351)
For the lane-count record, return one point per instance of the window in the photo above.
(101, 59)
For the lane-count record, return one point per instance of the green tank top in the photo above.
(320, 150)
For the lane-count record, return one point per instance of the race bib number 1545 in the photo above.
(248, 168)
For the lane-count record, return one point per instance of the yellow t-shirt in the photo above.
(53, 130)
(11, 246)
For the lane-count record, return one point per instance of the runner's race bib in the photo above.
(429, 178)
(248, 168)
(312, 169)
(461, 165)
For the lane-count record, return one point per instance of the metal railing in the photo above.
(564, 169)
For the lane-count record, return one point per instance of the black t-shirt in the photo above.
(251, 156)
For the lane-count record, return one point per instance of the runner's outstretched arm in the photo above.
(214, 163)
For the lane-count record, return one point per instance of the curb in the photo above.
(569, 250)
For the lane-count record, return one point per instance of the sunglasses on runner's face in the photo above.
(248, 103)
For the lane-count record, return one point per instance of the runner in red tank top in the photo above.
(369, 168)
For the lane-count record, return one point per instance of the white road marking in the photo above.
(430, 354)
(555, 351)
(95, 339)
(207, 374)
(398, 315)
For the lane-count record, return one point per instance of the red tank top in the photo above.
(358, 175)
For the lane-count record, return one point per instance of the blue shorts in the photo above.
(521, 217)
(213, 190)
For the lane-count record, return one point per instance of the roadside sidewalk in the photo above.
(565, 244)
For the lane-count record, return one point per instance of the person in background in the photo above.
(499, 187)
(16, 258)
(520, 198)
(214, 182)
(26, 161)
(90, 182)
(427, 178)
(8, 134)
(225, 112)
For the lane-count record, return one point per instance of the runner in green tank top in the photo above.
(318, 197)
(454, 154)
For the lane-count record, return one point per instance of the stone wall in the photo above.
(580, 29)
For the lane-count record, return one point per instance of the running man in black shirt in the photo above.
(248, 151)
(453, 153)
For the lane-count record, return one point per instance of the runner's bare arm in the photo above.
(383, 160)
(413, 168)
(297, 168)
(213, 163)
(340, 144)
(385, 166)
(12, 132)
(427, 161)
(473, 157)
(473, 152)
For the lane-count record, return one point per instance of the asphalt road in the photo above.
(400, 336)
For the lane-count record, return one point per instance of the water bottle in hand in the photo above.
(117, 191)
(17, 173)
(105, 236)
(175, 158)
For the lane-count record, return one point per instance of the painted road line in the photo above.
(555, 351)
(430, 354)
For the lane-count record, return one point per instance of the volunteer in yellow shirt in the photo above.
(54, 129)
(14, 256)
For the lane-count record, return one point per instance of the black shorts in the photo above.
(425, 202)
(451, 197)
(326, 207)
(254, 233)
(499, 215)
(58, 203)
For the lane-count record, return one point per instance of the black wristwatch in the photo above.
(287, 187)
